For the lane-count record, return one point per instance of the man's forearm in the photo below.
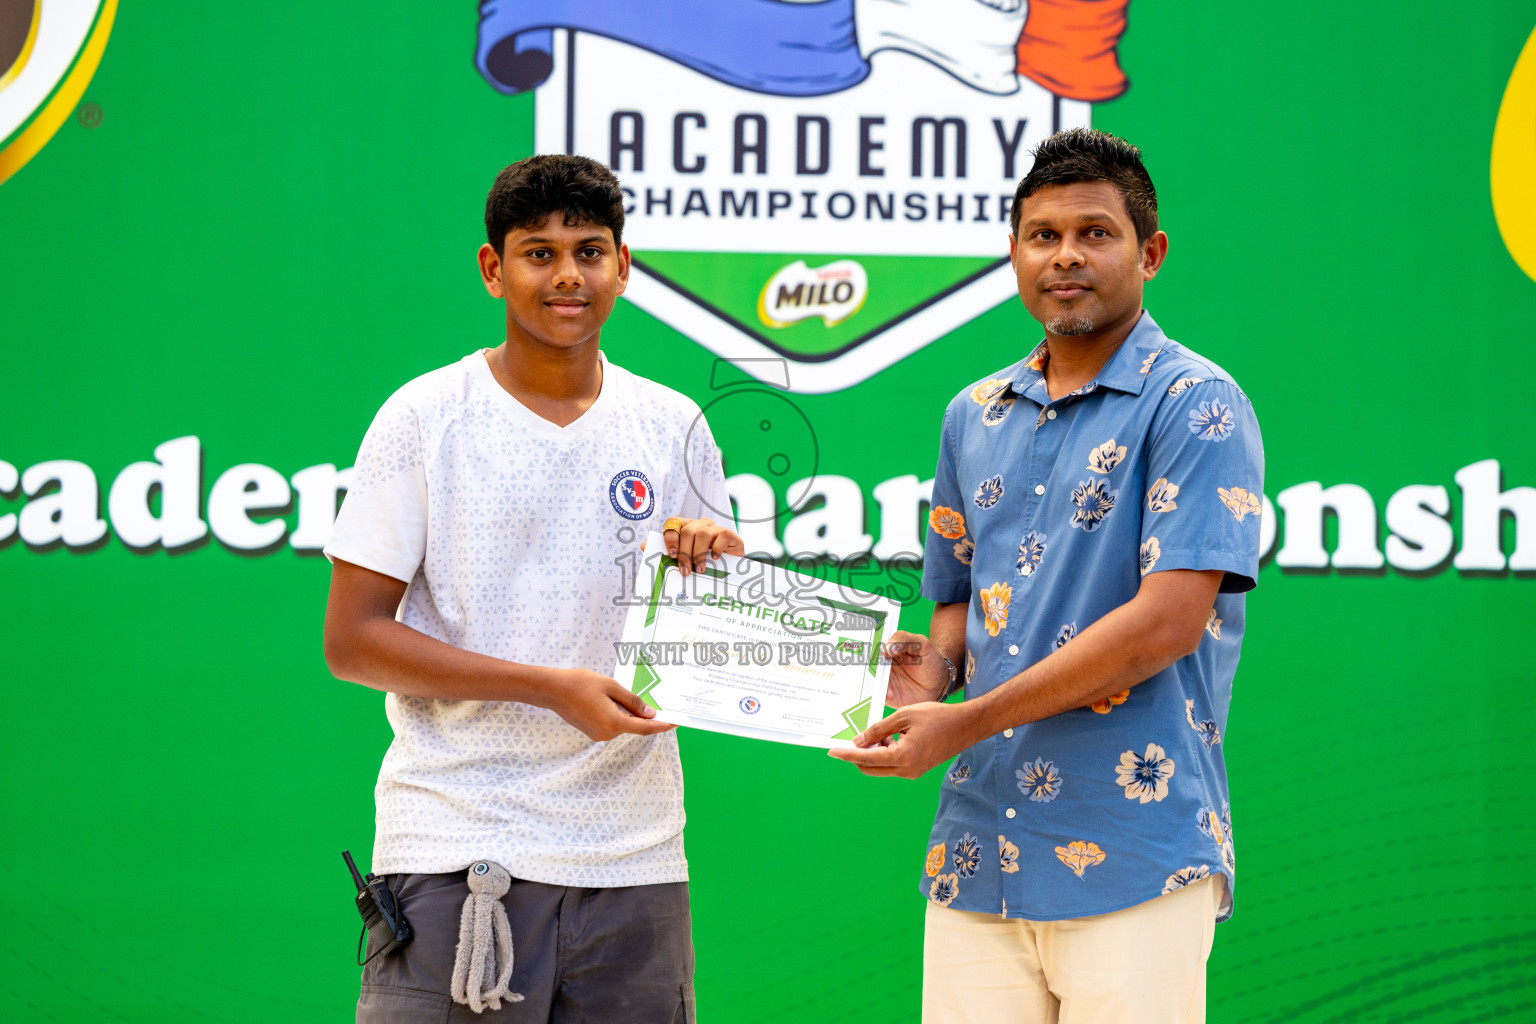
(1127, 646)
(946, 631)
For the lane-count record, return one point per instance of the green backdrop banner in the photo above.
(229, 232)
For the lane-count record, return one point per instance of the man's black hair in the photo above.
(1085, 154)
(530, 191)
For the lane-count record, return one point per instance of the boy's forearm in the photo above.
(386, 654)
(364, 643)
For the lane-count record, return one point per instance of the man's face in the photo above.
(559, 282)
(1079, 266)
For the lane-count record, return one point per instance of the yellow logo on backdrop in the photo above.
(49, 50)
(1512, 168)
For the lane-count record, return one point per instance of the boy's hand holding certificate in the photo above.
(750, 649)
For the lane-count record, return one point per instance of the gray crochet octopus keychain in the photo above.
(485, 941)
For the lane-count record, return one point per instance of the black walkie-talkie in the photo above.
(377, 905)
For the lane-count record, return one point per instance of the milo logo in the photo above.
(833, 292)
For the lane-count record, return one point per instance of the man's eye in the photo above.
(539, 254)
(1097, 233)
(1045, 236)
(591, 253)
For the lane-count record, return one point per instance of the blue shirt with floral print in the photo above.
(1045, 516)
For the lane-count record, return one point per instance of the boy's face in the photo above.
(559, 282)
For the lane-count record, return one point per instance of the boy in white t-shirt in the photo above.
(479, 579)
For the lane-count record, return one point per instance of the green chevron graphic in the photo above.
(857, 718)
(646, 680)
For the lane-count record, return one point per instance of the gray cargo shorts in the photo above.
(605, 956)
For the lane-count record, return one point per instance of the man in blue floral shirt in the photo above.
(1094, 526)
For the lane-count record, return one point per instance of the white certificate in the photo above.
(747, 648)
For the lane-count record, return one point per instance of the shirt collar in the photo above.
(1126, 370)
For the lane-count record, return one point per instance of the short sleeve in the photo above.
(382, 524)
(1205, 493)
(706, 495)
(948, 545)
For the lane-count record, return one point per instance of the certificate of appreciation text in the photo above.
(748, 648)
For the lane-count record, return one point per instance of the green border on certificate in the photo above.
(750, 649)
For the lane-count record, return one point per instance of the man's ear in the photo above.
(1153, 251)
(490, 270)
(1013, 251)
(623, 269)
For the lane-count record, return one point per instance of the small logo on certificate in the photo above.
(751, 705)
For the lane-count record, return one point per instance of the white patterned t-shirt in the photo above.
(516, 536)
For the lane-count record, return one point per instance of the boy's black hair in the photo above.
(1084, 154)
(528, 192)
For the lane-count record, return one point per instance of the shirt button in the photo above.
(1008, 733)
(1050, 414)
(1039, 488)
(1013, 648)
(1010, 812)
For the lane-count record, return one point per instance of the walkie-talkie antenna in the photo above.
(346, 855)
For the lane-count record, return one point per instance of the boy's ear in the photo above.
(623, 269)
(490, 270)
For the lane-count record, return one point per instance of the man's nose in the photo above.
(1068, 254)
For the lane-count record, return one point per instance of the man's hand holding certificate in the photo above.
(747, 648)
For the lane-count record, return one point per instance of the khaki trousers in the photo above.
(1144, 964)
